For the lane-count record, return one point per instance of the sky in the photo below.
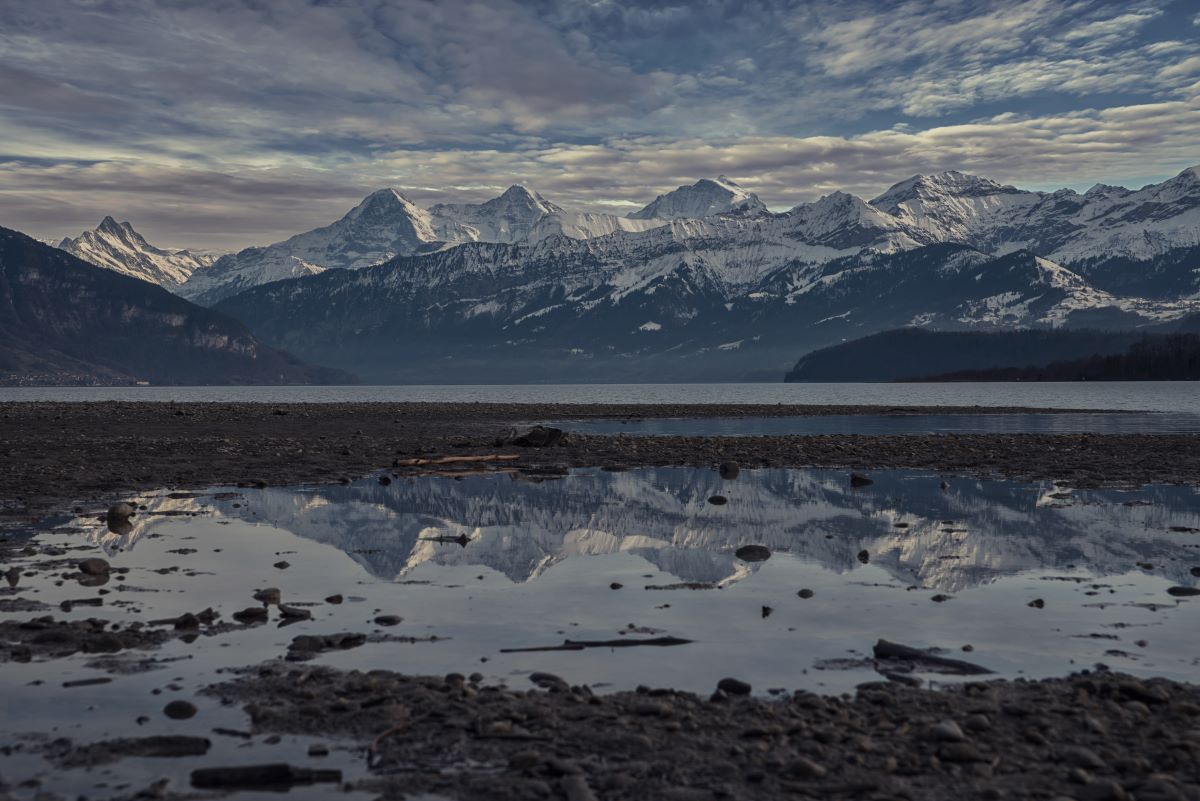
(222, 124)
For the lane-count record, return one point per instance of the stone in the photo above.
(283, 564)
(524, 760)
(294, 613)
(388, 620)
(180, 710)
(941, 598)
(733, 686)
(864, 556)
(805, 593)
(1037, 603)
(960, 752)
(538, 437)
(334, 599)
(269, 596)
(253, 614)
(1183, 592)
(729, 470)
(859, 480)
(805, 768)
(1082, 757)
(94, 567)
(718, 500)
(753, 553)
(947, 731)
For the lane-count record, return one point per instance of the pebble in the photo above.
(729, 470)
(294, 613)
(616, 585)
(334, 599)
(1037, 603)
(805, 768)
(1082, 757)
(864, 556)
(283, 564)
(718, 500)
(805, 593)
(388, 620)
(270, 595)
(253, 614)
(948, 732)
(523, 760)
(179, 710)
(753, 553)
(94, 567)
(733, 687)
(859, 480)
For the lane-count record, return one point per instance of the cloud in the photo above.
(236, 122)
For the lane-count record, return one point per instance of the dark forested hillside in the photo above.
(908, 353)
(63, 320)
(1169, 357)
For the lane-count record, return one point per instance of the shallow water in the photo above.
(1159, 396)
(1059, 423)
(539, 559)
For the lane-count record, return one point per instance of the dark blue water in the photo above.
(1062, 423)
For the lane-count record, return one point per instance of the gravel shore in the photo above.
(52, 454)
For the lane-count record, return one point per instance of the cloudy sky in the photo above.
(227, 123)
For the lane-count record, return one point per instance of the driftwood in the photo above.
(923, 659)
(579, 645)
(489, 457)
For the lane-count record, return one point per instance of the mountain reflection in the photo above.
(968, 534)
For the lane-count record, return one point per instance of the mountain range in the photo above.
(705, 283)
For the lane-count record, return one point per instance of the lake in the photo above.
(1158, 396)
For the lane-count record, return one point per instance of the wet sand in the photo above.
(52, 454)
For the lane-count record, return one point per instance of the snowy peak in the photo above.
(118, 247)
(924, 189)
(704, 198)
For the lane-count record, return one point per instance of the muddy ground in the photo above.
(52, 454)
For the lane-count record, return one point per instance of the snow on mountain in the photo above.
(384, 225)
(1105, 222)
(704, 198)
(118, 247)
(522, 215)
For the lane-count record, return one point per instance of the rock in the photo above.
(767, 610)
(180, 710)
(1196, 571)
(616, 585)
(960, 752)
(1102, 791)
(538, 437)
(318, 750)
(270, 596)
(1037, 603)
(729, 470)
(805, 768)
(524, 760)
(253, 614)
(1082, 757)
(859, 480)
(294, 613)
(733, 687)
(273, 775)
(283, 565)
(94, 567)
(120, 513)
(941, 598)
(388, 620)
(945, 486)
(947, 732)
(718, 500)
(864, 556)
(334, 599)
(384, 481)
(805, 593)
(548, 681)
(753, 553)
(1183, 592)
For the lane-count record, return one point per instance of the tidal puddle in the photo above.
(487, 572)
(880, 424)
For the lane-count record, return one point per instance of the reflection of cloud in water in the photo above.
(970, 534)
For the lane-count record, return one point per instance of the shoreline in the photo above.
(56, 454)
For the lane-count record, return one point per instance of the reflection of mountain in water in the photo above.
(966, 535)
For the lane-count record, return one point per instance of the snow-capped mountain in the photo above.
(704, 198)
(384, 225)
(522, 215)
(1106, 222)
(118, 247)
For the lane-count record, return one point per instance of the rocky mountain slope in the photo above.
(64, 321)
(118, 247)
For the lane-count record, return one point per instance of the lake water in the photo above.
(1159, 396)
(487, 563)
(1060, 423)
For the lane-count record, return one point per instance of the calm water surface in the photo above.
(490, 562)
(1160, 396)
